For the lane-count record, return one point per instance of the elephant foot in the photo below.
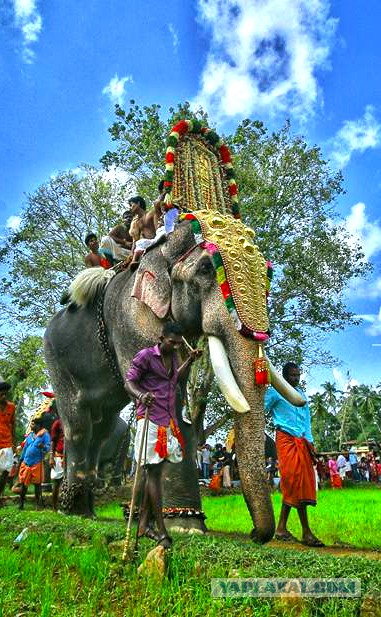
(261, 536)
(190, 524)
(76, 497)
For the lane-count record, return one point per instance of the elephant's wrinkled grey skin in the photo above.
(89, 396)
(114, 452)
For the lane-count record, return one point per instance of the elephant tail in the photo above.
(88, 283)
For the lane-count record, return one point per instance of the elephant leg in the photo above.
(181, 494)
(76, 493)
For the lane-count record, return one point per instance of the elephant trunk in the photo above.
(250, 438)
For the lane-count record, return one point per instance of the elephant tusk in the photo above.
(225, 378)
(284, 388)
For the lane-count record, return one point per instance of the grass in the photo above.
(350, 516)
(70, 566)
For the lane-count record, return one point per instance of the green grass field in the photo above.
(70, 567)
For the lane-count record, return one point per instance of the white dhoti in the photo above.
(111, 248)
(57, 472)
(6, 459)
(144, 243)
(149, 454)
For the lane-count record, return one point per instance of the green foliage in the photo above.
(360, 414)
(72, 566)
(337, 417)
(23, 366)
(141, 135)
(47, 250)
(288, 195)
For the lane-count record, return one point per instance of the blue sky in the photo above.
(63, 66)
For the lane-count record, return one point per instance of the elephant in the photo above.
(89, 346)
(114, 452)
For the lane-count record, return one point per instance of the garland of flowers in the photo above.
(222, 279)
(194, 126)
(183, 512)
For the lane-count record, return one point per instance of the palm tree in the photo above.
(330, 395)
(318, 418)
(367, 402)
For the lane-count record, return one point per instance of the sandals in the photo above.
(149, 533)
(164, 538)
(285, 537)
(315, 542)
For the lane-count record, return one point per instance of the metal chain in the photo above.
(103, 339)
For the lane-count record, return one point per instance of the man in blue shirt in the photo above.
(295, 457)
(31, 470)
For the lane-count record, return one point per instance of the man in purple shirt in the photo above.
(152, 379)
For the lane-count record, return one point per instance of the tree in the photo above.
(288, 196)
(330, 395)
(46, 251)
(325, 425)
(360, 414)
(23, 366)
(140, 135)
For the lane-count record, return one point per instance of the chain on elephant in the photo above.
(185, 520)
(77, 497)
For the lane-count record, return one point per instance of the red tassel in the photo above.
(177, 433)
(261, 370)
(161, 444)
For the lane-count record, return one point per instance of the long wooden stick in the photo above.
(187, 344)
(127, 541)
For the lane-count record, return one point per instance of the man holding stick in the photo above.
(152, 379)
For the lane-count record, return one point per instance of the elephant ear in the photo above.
(153, 284)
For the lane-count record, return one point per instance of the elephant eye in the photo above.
(205, 267)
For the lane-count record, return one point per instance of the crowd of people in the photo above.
(23, 465)
(349, 466)
(216, 466)
(151, 380)
(138, 230)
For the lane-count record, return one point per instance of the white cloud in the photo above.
(24, 8)
(32, 29)
(343, 382)
(375, 323)
(115, 89)
(264, 55)
(367, 235)
(175, 37)
(13, 222)
(366, 289)
(355, 136)
(365, 232)
(115, 174)
(29, 22)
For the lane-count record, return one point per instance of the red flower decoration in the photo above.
(181, 127)
(225, 154)
(225, 288)
(169, 157)
(233, 189)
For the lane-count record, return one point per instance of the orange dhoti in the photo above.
(297, 475)
(31, 475)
